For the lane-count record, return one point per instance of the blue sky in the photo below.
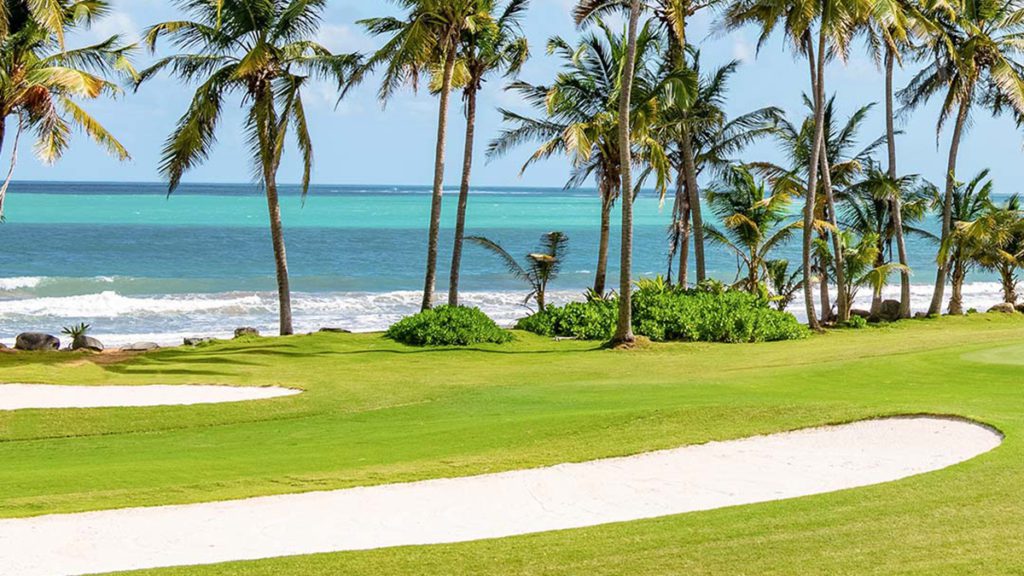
(360, 143)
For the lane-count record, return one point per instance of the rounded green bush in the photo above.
(663, 313)
(448, 326)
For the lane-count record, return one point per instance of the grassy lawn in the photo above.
(376, 412)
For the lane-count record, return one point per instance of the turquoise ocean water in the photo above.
(137, 264)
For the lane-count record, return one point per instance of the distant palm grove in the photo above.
(632, 106)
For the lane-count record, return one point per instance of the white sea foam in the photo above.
(20, 282)
(118, 319)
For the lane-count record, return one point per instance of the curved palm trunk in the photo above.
(842, 296)
(429, 280)
(812, 179)
(823, 288)
(1009, 279)
(608, 190)
(683, 212)
(270, 160)
(897, 202)
(693, 192)
(956, 299)
(624, 329)
(460, 220)
(947, 209)
(280, 257)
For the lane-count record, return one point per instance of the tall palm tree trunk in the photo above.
(683, 212)
(947, 209)
(690, 173)
(812, 177)
(823, 290)
(607, 189)
(624, 329)
(460, 219)
(429, 280)
(956, 300)
(1009, 279)
(842, 298)
(280, 257)
(267, 134)
(897, 202)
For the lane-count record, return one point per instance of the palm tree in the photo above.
(54, 18)
(262, 50)
(972, 63)
(624, 328)
(890, 29)
(836, 21)
(40, 81)
(541, 267)
(497, 47)
(428, 39)
(870, 206)
(862, 265)
(580, 118)
(715, 140)
(839, 141)
(996, 239)
(671, 16)
(754, 222)
(783, 284)
(958, 250)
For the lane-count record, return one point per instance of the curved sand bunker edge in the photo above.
(27, 396)
(693, 478)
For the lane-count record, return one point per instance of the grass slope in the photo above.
(376, 412)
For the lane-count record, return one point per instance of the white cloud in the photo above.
(742, 50)
(117, 23)
(343, 38)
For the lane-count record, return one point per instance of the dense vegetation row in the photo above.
(628, 108)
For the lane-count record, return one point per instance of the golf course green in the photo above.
(376, 412)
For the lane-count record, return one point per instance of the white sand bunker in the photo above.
(661, 483)
(23, 396)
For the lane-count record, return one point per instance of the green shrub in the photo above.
(662, 313)
(855, 322)
(448, 326)
(592, 320)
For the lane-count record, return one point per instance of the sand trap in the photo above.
(24, 396)
(661, 483)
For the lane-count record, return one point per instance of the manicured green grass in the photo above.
(377, 412)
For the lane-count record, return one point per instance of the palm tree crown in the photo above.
(40, 80)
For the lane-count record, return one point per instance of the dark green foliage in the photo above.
(591, 320)
(855, 322)
(662, 313)
(448, 326)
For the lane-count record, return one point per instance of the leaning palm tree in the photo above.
(891, 29)
(672, 17)
(426, 40)
(754, 223)
(974, 61)
(715, 140)
(839, 140)
(540, 268)
(262, 50)
(499, 46)
(579, 117)
(970, 201)
(836, 22)
(40, 81)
